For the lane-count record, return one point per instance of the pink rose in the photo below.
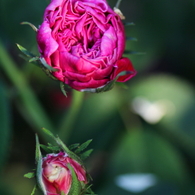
(84, 40)
(56, 173)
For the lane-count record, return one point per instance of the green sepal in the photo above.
(39, 61)
(104, 88)
(85, 154)
(128, 24)
(29, 175)
(49, 133)
(109, 85)
(62, 87)
(123, 85)
(88, 191)
(33, 191)
(35, 60)
(47, 66)
(31, 25)
(24, 57)
(131, 39)
(83, 146)
(123, 73)
(134, 52)
(48, 73)
(54, 149)
(50, 148)
(63, 146)
(38, 157)
(73, 146)
(76, 184)
(70, 153)
(45, 148)
(25, 51)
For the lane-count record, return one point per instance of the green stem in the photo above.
(31, 106)
(69, 117)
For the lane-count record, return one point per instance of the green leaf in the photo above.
(31, 25)
(29, 175)
(83, 146)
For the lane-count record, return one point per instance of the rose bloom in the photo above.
(57, 176)
(84, 40)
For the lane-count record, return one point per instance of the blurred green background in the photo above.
(143, 136)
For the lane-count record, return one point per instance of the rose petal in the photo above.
(91, 84)
(80, 172)
(85, 41)
(73, 63)
(47, 45)
(124, 64)
(108, 43)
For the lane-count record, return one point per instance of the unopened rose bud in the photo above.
(61, 171)
(85, 41)
(57, 174)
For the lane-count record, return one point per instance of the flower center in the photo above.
(52, 172)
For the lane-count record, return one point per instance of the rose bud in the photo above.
(58, 172)
(84, 40)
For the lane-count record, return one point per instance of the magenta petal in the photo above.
(56, 175)
(85, 41)
(47, 45)
(124, 64)
(92, 84)
(102, 73)
(108, 43)
(81, 174)
(53, 5)
(49, 187)
(76, 76)
(75, 64)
